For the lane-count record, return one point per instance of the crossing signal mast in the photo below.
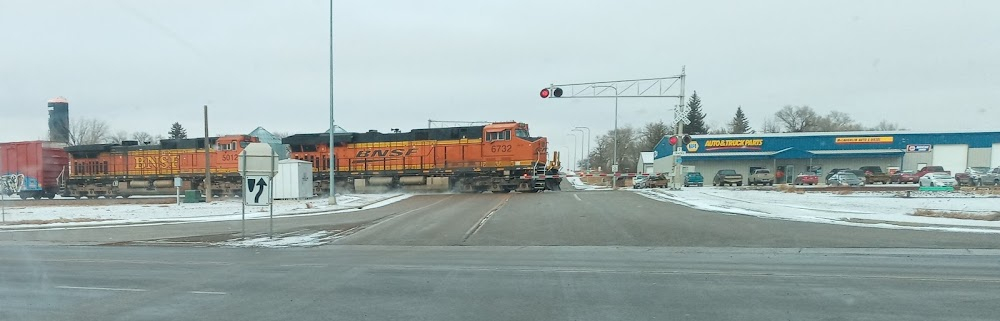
(661, 87)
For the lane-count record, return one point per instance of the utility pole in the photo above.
(333, 161)
(678, 149)
(587, 159)
(208, 163)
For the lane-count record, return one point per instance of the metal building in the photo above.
(59, 120)
(794, 153)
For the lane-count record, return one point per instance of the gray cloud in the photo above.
(144, 65)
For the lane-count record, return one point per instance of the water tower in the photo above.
(59, 120)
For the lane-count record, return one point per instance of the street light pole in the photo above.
(582, 146)
(587, 159)
(333, 162)
(574, 150)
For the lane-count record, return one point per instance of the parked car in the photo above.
(834, 171)
(693, 179)
(845, 178)
(761, 176)
(979, 176)
(806, 179)
(937, 179)
(727, 177)
(874, 174)
(931, 169)
(640, 182)
(658, 181)
(904, 177)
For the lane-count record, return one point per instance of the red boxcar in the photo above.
(32, 169)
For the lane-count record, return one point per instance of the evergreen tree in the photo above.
(177, 131)
(696, 118)
(740, 124)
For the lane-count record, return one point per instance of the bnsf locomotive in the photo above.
(499, 157)
(111, 170)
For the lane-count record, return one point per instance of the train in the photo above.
(498, 157)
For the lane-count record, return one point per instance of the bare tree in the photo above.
(118, 137)
(797, 119)
(143, 138)
(628, 150)
(836, 121)
(770, 125)
(885, 126)
(651, 134)
(86, 131)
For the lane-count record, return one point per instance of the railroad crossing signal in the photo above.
(257, 191)
(672, 140)
(551, 91)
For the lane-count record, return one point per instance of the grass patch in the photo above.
(787, 188)
(995, 216)
(58, 220)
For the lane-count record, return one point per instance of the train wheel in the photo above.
(37, 196)
(125, 195)
(23, 196)
(50, 196)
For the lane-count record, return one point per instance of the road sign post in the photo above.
(177, 189)
(257, 167)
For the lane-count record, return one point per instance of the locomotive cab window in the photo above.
(521, 133)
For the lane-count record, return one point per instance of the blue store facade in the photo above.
(793, 153)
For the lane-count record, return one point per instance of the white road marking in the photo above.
(577, 197)
(482, 221)
(208, 292)
(304, 265)
(100, 288)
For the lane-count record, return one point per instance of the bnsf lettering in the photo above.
(154, 162)
(385, 152)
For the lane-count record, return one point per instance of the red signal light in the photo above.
(673, 140)
(544, 93)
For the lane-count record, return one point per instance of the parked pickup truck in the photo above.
(761, 176)
(727, 177)
(980, 176)
(931, 169)
(874, 174)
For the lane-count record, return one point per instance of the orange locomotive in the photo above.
(499, 157)
(127, 169)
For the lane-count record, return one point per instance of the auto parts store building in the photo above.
(792, 153)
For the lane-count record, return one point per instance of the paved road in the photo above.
(577, 218)
(495, 283)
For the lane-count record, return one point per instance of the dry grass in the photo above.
(788, 188)
(58, 220)
(995, 216)
(845, 192)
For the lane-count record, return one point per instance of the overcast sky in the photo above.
(142, 65)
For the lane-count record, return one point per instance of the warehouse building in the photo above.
(792, 153)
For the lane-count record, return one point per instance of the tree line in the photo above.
(86, 131)
(788, 119)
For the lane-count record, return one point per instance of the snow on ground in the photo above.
(580, 185)
(279, 241)
(878, 209)
(230, 209)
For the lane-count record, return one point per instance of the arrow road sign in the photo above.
(257, 191)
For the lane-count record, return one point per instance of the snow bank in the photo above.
(879, 209)
(314, 239)
(223, 210)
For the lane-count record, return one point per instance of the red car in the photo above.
(806, 179)
(904, 177)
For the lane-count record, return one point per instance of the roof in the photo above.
(59, 99)
(646, 157)
(729, 154)
(850, 133)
